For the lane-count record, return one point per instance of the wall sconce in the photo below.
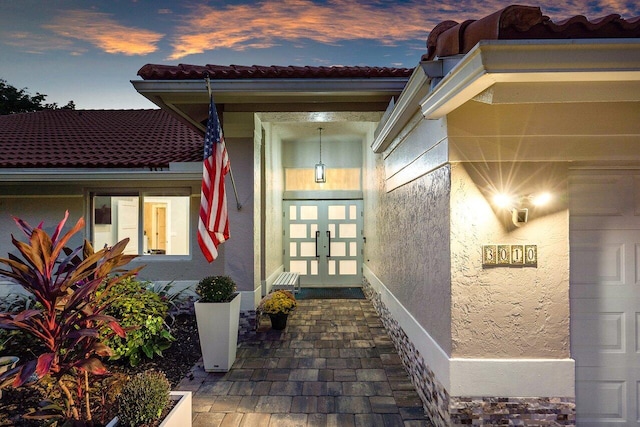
(320, 170)
(519, 205)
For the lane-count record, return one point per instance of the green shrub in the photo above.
(142, 314)
(143, 398)
(216, 289)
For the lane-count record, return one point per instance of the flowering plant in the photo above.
(278, 302)
(216, 289)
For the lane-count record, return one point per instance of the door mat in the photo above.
(330, 293)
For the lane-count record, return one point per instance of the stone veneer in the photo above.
(435, 398)
(445, 410)
(532, 411)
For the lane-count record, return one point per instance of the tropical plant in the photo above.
(143, 399)
(278, 302)
(176, 299)
(142, 314)
(68, 315)
(216, 289)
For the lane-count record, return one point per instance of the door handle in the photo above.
(329, 244)
(317, 254)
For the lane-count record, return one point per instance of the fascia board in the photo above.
(526, 61)
(54, 175)
(404, 109)
(271, 87)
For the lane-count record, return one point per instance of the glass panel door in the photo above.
(323, 241)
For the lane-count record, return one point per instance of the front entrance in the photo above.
(323, 241)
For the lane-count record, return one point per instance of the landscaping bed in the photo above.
(176, 363)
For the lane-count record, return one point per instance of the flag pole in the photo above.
(233, 181)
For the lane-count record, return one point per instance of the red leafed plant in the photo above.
(69, 314)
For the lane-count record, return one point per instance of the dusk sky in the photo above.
(89, 50)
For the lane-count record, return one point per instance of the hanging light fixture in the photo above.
(320, 171)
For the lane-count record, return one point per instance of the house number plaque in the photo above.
(510, 255)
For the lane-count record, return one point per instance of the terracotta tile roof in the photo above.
(187, 72)
(523, 22)
(96, 139)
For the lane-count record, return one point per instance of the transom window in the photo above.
(154, 224)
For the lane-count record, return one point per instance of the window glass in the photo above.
(155, 225)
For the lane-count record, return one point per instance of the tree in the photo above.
(14, 100)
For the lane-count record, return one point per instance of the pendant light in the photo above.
(320, 172)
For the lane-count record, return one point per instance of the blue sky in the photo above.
(89, 50)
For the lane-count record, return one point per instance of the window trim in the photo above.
(140, 193)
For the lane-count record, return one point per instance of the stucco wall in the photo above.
(508, 312)
(47, 202)
(407, 232)
(274, 188)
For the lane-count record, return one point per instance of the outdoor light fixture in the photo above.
(320, 171)
(519, 205)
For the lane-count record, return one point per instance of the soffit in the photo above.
(532, 71)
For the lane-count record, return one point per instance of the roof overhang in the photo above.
(188, 99)
(518, 72)
(540, 71)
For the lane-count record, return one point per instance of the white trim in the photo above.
(277, 86)
(513, 377)
(434, 356)
(480, 377)
(248, 301)
(491, 61)
(406, 106)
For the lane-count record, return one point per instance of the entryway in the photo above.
(605, 296)
(323, 241)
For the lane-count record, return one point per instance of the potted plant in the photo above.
(278, 305)
(145, 399)
(218, 319)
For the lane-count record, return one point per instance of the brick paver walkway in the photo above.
(334, 365)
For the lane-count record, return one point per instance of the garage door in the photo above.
(605, 309)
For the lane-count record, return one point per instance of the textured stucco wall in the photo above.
(504, 312)
(407, 247)
(238, 258)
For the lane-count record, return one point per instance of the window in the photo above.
(154, 224)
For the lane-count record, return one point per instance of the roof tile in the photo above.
(188, 72)
(96, 138)
(523, 22)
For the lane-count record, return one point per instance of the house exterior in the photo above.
(128, 173)
(521, 312)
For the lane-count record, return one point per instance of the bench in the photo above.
(288, 281)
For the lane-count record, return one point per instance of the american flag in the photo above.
(213, 225)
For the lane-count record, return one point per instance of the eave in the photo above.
(525, 71)
(188, 99)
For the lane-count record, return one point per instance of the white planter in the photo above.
(180, 415)
(218, 331)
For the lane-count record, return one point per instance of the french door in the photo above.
(323, 241)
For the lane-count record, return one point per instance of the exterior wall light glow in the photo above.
(541, 199)
(519, 205)
(320, 170)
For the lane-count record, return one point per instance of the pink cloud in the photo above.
(266, 23)
(104, 32)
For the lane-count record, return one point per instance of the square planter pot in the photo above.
(218, 331)
(180, 415)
